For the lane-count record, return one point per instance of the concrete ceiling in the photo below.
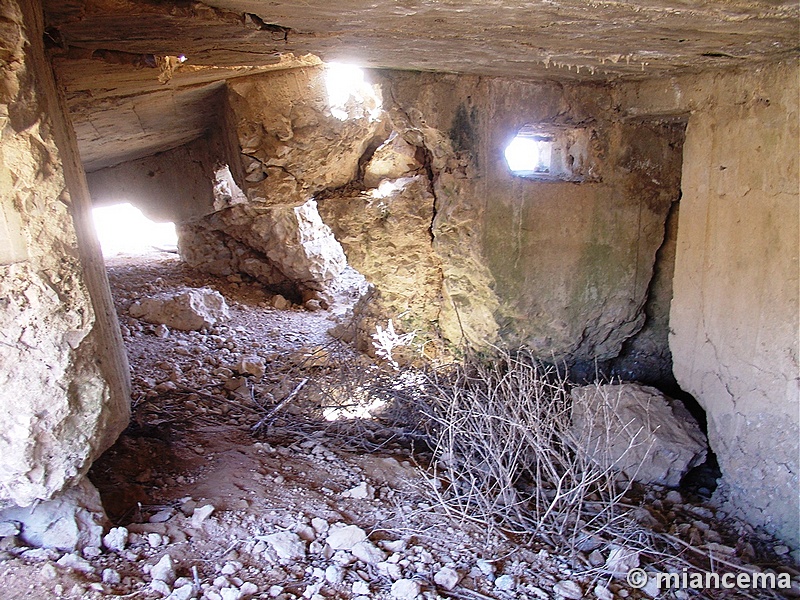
(110, 53)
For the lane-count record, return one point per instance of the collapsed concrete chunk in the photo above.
(637, 430)
(73, 520)
(188, 310)
(279, 246)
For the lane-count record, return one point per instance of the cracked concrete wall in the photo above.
(172, 186)
(646, 356)
(734, 315)
(735, 307)
(422, 108)
(563, 268)
(64, 388)
(282, 144)
(385, 233)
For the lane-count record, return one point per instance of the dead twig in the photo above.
(280, 405)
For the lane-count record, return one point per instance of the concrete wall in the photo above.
(180, 184)
(735, 309)
(64, 388)
(562, 267)
(172, 186)
(734, 314)
(569, 268)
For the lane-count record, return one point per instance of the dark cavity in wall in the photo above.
(463, 132)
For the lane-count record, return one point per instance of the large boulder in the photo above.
(188, 309)
(275, 245)
(637, 430)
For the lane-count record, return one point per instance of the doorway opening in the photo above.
(124, 229)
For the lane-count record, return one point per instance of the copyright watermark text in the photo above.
(708, 580)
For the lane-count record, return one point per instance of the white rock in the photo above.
(405, 589)
(621, 560)
(200, 514)
(360, 587)
(251, 365)
(72, 520)
(345, 537)
(447, 578)
(231, 567)
(485, 566)
(368, 553)
(334, 574)
(603, 593)
(8, 528)
(111, 577)
(163, 570)
(116, 539)
(361, 492)
(275, 591)
(568, 589)
(188, 309)
(321, 526)
(287, 545)
(48, 571)
(185, 592)
(248, 589)
(230, 593)
(342, 558)
(312, 591)
(73, 561)
(160, 587)
(638, 430)
(394, 545)
(506, 583)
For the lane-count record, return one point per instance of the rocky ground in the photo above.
(257, 465)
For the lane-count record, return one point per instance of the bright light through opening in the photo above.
(346, 82)
(527, 154)
(123, 229)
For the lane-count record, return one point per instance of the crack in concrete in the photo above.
(427, 164)
(262, 26)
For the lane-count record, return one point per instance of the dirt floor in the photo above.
(243, 474)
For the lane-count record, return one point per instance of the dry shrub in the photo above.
(506, 454)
